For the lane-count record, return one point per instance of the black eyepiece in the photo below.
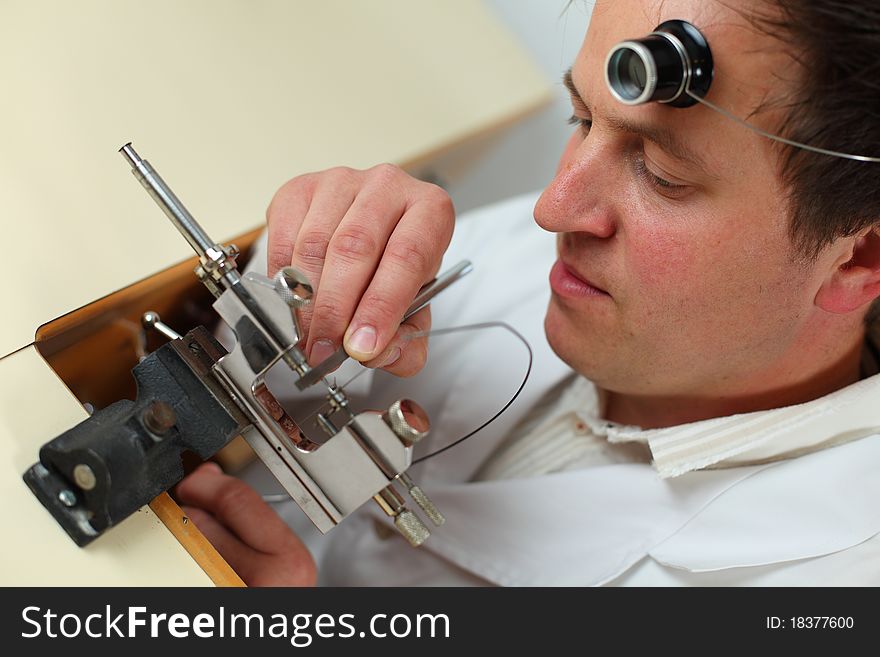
(661, 67)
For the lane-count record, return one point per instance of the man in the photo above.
(711, 284)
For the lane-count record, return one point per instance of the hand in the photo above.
(257, 543)
(367, 240)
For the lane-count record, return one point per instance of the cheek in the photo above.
(664, 257)
(686, 263)
(683, 270)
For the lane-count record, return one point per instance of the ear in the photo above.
(855, 282)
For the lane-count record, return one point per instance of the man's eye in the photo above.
(662, 185)
(584, 123)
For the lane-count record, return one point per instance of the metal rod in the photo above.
(151, 320)
(423, 298)
(166, 199)
(432, 289)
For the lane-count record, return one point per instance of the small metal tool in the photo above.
(423, 298)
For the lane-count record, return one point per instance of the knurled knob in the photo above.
(408, 421)
(293, 286)
(412, 529)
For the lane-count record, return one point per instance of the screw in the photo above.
(159, 418)
(67, 498)
(84, 477)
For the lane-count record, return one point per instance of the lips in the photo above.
(568, 282)
(585, 279)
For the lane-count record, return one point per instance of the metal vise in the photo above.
(194, 396)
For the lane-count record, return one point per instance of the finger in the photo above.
(405, 355)
(255, 568)
(284, 216)
(207, 467)
(232, 549)
(411, 259)
(213, 466)
(239, 507)
(353, 254)
(331, 201)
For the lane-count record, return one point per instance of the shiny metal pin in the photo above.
(423, 298)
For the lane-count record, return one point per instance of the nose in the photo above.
(579, 199)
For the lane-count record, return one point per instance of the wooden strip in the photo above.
(194, 542)
(94, 348)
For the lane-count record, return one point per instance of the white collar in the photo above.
(752, 438)
(763, 436)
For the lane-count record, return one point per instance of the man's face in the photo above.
(702, 292)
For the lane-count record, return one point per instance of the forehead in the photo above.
(752, 68)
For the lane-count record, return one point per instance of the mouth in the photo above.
(567, 282)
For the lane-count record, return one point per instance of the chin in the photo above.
(591, 351)
(570, 343)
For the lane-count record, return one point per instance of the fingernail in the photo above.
(212, 465)
(393, 357)
(362, 342)
(321, 351)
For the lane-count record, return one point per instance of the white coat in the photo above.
(812, 520)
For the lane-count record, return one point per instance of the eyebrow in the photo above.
(665, 138)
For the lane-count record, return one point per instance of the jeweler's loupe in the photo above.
(666, 66)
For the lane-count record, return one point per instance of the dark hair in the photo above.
(836, 106)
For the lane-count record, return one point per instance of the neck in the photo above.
(658, 411)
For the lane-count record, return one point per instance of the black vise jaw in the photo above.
(98, 473)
